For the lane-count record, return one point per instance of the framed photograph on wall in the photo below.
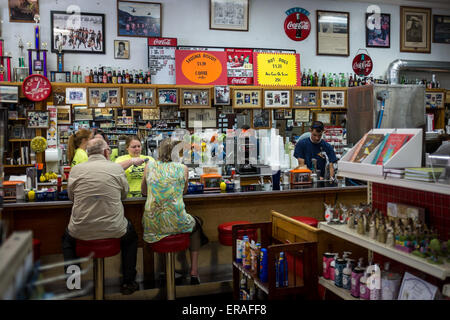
(168, 112)
(228, 15)
(195, 98)
(124, 117)
(82, 113)
(168, 97)
(324, 117)
(205, 117)
(378, 33)
(138, 19)
(56, 76)
(301, 115)
(277, 98)
(333, 99)
(59, 97)
(64, 115)
(222, 95)
(247, 98)
(23, 11)
(305, 98)
(76, 96)
(441, 29)
(104, 97)
(90, 25)
(278, 114)
(261, 119)
(415, 29)
(9, 94)
(150, 114)
(121, 49)
(333, 37)
(103, 114)
(140, 97)
(37, 119)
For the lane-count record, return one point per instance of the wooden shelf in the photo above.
(18, 166)
(341, 292)
(249, 274)
(17, 119)
(20, 140)
(441, 271)
(404, 183)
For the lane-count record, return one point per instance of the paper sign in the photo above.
(52, 133)
(201, 67)
(274, 69)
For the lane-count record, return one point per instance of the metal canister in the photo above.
(338, 271)
(326, 260)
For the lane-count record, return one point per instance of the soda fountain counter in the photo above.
(48, 220)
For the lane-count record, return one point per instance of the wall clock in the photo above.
(36, 87)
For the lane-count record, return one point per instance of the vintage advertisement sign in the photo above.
(297, 25)
(362, 64)
(161, 60)
(52, 133)
(240, 66)
(275, 69)
(201, 67)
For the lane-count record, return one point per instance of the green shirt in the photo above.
(79, 157)
(114, 154)
(134, 175)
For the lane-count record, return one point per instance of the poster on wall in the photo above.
(240, 66)
(52, 132)
(201, 67)
(275, 69)
(161, 60)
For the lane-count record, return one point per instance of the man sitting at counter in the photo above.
(97, 188)
(315, 148)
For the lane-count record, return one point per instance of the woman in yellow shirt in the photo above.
(134, 164)
(76, 151)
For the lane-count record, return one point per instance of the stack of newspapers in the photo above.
(423, 174)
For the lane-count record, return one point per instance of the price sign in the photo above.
(277, 69)
(201, 67)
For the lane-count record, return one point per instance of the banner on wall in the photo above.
(240, 66)
(201, 67)
(161, 59)
(276, 69)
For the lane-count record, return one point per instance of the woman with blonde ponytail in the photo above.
(76, 152)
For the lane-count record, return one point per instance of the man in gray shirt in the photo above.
(97, 188)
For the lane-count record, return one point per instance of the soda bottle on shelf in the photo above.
(343, 82)
(91, 76)
(304, 78)
(95, 76)
(80, 75)
(336, 80)
(109, 76)
(114, 77)
(105, 76)
(323, 83)
(119, 77)
(350, 81)
(330, 80)
(86, 76)
(315, 80)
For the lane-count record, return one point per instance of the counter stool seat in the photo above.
(307, 220)
(226, 236)
(169, 245)
(102, 248)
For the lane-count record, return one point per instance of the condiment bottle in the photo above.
(357, 273)
(364, 292)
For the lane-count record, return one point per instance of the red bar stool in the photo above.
(169, 245)
(102, 248)
(226, 236)
(307, 220)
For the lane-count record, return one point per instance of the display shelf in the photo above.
(343, 293)
(19, 140)
(17, 119)
(261, 285)
(404, 183)
(342, 231)
(18, 165)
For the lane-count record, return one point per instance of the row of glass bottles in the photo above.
(108, 75)
(310, 79)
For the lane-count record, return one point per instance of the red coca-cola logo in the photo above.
(167, 42)
(297, 26)
(362, 64)
(236, 80)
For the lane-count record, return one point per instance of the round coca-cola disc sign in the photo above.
(362, 64)
(297, 26)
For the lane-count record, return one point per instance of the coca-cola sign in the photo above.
(297, 25)
(240, 81)
(164, 42)
(362, 64)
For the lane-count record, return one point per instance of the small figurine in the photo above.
(372, 229)
(328, 212)
(381, 234)
(360, 225)
(350, 219)
(390, 240)
(435, 250)
(344, 213)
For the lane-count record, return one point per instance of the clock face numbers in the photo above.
(36, 88)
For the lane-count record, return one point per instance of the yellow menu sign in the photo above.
(277, 69)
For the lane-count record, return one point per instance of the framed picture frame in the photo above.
(222, 95)
(104, 97)
(434, 99)
(278, 114)
(277, 98)
(305, 98)
(324, 117)
(23, 11)
(101, 114)
(151, 114)
(124, 117)
(38, 119)
(195, 98)
(415, 29)
(228, 15)
(82, 113)
(58, 76)
(247, 98)
(206, 117)
(138, 19)
(59, 97)
(168, 97)
(121, 49)
(332, 37)
(379, 33)
(139, 97)
(64, 114)
(301, 115)
(261, 119)
(441, 29)
(288, 113)
(333, 99)
(168, 112)
(9, 94)
(76, 96)
(64, 36)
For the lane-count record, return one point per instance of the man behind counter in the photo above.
(315, 148)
